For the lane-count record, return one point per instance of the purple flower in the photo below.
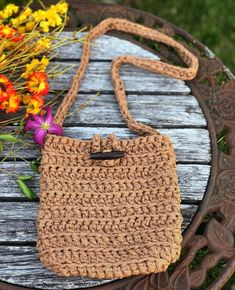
(43, 125)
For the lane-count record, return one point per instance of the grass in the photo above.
(221, 141)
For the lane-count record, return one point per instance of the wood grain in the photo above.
(20, 265)
(104, 48)
(191, 145)
(192, 180)
(155, 110)
(98, 78)
(17, 220)
(160, 101)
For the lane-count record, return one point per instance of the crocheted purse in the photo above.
(110, 208)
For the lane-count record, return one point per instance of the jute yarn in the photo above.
(112, 218)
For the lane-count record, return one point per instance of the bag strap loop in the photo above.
(156, 66)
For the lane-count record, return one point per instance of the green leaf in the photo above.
(8, 138)
(34, 165)
(27, 191)
(25, 177)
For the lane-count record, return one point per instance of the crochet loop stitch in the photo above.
(119, 217)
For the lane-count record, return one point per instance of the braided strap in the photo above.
(144, 63)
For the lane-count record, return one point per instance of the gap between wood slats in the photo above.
(192, 146)
(98, 78)
(18, 221)
(105, 47)
(193, 180)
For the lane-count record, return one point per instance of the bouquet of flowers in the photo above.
(28, 39)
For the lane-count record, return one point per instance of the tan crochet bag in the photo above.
(110, 208)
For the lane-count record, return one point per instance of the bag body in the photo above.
(110, 208)
(108, 218)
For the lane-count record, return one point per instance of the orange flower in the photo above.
(37, 83)
(10, 33)
(6, 31)
(9, 99)
(17, 37)
(25, 98)
(12, 104)
(34, 105)
(5, 88)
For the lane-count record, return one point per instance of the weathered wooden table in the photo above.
(165, 103)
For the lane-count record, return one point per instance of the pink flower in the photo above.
(43, 125)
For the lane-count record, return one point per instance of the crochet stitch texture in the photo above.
(111, 218)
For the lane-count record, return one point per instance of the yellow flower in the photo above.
(51, 17)
(19, 20)
(62, 7)
(2, 60)
(30, 25)
(39, 15)
(54, 20)
(22, 18)
(43, 44)
(44, 63)
(25, 99)
(34, 105)
(15, 22)
(44, 25)
(3, 57)
(21, 29)
(27, 12)
(8, 11)
(36, 65)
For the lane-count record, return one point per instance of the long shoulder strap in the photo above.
(145, 63)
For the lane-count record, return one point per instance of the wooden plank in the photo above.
(17, 220)
(19, 262)
(159, 107)
(192, 180)
(155, 110)
(108, 48)
(97, 79)
(21, 266)
(104, 48)
(191, 145)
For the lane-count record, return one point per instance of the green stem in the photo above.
(41, 3)
(10, 153)
(22, 158)
(9, 173)
(84, 105)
